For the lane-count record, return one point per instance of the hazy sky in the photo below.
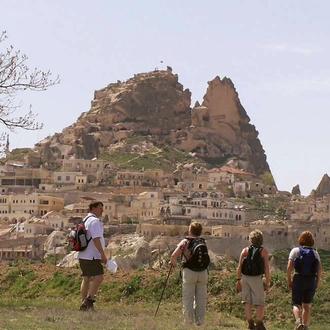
(275, 52)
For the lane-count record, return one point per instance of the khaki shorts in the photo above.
(91, 268)
(253, 290)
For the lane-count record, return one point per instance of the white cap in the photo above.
(112, 266)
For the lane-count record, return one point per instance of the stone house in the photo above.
(145, 205)
(158, 177)
(99, 168)
(87, 165)
(223, 174)
(32, 204)
(153, 230)
(67, 178)
(258, 186)
(144, 178)
(229, 231)
(34, 228)
(56, 220)
(301, 209)
(25, 177)
(129, 178)
(200, 182)
(49, 203)
(239, 188)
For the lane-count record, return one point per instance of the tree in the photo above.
(267, 179)
(15, 77)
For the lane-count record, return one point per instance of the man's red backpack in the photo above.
(78, 237)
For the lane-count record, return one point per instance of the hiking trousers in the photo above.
(194, 291)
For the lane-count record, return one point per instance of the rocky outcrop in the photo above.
(323, 188)
(296, 190)
(221, 129)
(156, 105)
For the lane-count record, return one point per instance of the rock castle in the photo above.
(157, 164)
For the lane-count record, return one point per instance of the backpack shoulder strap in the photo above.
(190, 241)
(253, 249)
(260, 249)
(86, 218)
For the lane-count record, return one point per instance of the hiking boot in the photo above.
(252, 326)
(260, 326)
(87, 304)
(298, 325)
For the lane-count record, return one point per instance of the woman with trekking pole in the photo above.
(195, 261)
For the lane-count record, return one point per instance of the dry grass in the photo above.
(137, 316)
(43, 297)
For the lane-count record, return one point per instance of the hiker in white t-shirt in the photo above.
(305, 281)
(92, 258)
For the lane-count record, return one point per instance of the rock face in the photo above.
(157, 105)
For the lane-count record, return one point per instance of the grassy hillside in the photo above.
(43, 296)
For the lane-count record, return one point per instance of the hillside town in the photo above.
(35, 203)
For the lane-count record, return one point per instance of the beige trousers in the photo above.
(194, 292)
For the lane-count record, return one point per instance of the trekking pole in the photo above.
(168, 275)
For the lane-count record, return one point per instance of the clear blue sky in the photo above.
(275, 52)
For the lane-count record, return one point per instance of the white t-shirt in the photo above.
(295, 251)
(94, 229)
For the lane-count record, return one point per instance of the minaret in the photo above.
(7, 152)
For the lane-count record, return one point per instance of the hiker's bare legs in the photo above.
(296, 312)
(259, 312)
(305, 313)
(97, 280)
(84, 287)
(248, 311)
(90, 286)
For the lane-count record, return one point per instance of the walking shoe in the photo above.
(252, 326)
(260, 326)
(87, 304)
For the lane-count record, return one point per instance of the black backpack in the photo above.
(306, 262)
(199, 257)
(78, 237)
(253, 263)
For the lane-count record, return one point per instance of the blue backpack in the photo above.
(306, 262)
